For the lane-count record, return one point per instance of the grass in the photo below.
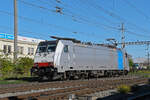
(144, 73)
(12, 81)
(17, 80)
(124, 89)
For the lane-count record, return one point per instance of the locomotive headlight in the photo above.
(35, 70)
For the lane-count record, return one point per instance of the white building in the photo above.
(26, 46)
(141, 62)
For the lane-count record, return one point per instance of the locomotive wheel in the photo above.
(42, 78)
(50, 78)
(107, 74)
(39, 79)
(83, 76)
(125, 72)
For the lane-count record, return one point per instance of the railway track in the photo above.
(61, 90)
(11, 88)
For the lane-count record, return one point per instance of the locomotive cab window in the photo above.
(41, 49)
(66, 48)
(51, 48)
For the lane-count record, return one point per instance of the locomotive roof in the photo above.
(62, 38)
(82, 43)
(48, 42)
(74, 41)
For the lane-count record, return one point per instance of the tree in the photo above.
(6, 67)
(131, 63)
(23, 65)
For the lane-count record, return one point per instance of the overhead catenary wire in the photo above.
(81, 18)
(71, 31)
(133, 33)
(81, 10)
(40, 36)
(23, 31)
(84, 17)
(37, 21)
(84, 20)
(139, 35)
(116, 16)
(41, 7)
(99, 25)
(137, 9)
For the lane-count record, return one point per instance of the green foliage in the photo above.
(23, 65)
(143, 73)
(124, 89)
(6, 67)
(140, 72)
(11, 81)
(131, 63)
(20, 68)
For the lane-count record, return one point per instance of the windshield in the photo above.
(51, 48)
(46, 48)
(41, 49)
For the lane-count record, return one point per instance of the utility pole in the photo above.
(15, 30)
(148, 58)
(123, 36)
(148, 54)
(123, 43)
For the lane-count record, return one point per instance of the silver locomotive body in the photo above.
(68, 59)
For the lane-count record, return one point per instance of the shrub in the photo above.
(124, 89)
(20, 68)
(23, 66)
(6, 67)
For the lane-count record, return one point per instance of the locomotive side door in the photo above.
(68, 57)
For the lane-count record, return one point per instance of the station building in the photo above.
(26, 46)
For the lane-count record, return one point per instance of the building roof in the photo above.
(20, 38)
(139, 60)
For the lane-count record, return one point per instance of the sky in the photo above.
(86, 20)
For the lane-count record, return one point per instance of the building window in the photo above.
(30, 51)
(20, 49)
(7, 49)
